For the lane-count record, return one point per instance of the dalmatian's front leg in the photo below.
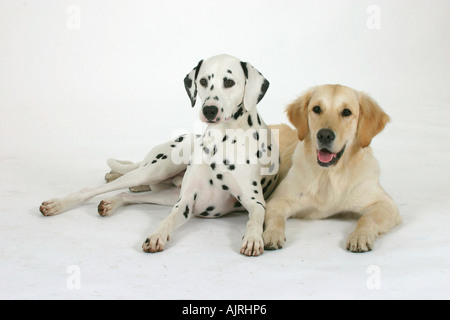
(180, 214)
(253, 201)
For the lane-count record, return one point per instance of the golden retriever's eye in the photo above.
(204, 82)
(346, 113)
(317, 109)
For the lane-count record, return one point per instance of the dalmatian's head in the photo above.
(223, 83)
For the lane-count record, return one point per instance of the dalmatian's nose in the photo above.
(210, 112)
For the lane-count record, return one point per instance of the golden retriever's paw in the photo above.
(155, 243)
(252, 246)
(360, 241)
(273, 239)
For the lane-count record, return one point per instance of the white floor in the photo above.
(81, 82)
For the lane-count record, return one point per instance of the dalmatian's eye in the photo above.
(346, 113)
(228, 83)
(204, 82)
(317, 109)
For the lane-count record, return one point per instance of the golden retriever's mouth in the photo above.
(326, 158)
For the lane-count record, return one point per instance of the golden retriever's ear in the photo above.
(298, 115)
(372, 119)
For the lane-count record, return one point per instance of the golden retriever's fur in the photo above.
(351, 184)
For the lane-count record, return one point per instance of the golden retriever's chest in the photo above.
(324, 197)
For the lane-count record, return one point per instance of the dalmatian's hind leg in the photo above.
(166, 197)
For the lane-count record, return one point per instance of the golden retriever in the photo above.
(333, 169)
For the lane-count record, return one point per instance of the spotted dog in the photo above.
(232, 166)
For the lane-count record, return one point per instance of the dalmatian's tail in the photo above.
(122, 167)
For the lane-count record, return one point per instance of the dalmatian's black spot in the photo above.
(229, 71)
(214, 150)
(267, 186)
(213, 166)
(217, 215)
(211, 182)
(179, 139)
(172, 145)
(233, 141)
(164, 157)
(263, 180)
(216, 98)
(269, 147)
(264, 88)
(226, 162)
(210, 208)
(154, 161)
(259, 119)
(219, 176)
(204, 214)
(145, 164)
(159, 156)
(255, 183)
(244, 68)
(212, 88)
(272, 167)
(248, 161)
(237, 204)
(250, 121)
(206, 150)
(188, 82)
(231, 167)
(255, 191)
(186, 212)
(195, 197)
(225, 138)
(238, 113)
(224, 187)
(259, 154)
(256, 135)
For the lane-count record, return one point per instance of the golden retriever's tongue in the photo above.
(325, 156)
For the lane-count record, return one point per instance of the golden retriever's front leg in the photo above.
(278, 210)
(377, 219)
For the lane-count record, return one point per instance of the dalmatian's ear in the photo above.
(255, 87)
(190, 84)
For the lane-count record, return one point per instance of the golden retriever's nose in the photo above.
(325, 136)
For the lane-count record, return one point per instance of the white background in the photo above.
(82, 81)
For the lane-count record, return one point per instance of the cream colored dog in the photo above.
(333, 168)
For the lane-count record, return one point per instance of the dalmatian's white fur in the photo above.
(230, 167)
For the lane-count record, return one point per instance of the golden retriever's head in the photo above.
(334, 117)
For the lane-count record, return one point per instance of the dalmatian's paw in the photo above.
(273, 239)
(106, 207)
(52, 207)
(155, 243)
(252, 246)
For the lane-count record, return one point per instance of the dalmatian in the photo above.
(232, 166)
